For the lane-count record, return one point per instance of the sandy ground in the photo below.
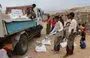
(78, 53)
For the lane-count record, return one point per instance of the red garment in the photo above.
(49, 21)
(7, 49)
(53, 23)
(84, 29)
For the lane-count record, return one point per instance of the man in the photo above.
(30, 12)
(72, 34)
(38, 12)
(59, 34)
(34, 10)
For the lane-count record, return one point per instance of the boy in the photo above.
(83, 36)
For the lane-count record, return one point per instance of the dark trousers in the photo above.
(83, 36)
(70, 44)
(69, 51)
(52, 28)
(57, 43)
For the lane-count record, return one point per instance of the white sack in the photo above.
(41, 48)
(63, 44)
(46, 41)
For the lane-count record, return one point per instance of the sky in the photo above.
(47, 5)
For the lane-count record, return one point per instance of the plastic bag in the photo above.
(46, 41)
(63, 44)
(41, 48)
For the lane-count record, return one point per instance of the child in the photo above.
(83, 33)
(83, 36)
(48, 25)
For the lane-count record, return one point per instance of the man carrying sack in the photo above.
(72, 35)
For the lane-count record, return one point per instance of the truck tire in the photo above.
(38, 34)
(39, 28)
(22, 46)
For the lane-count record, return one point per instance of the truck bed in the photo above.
(17, 26)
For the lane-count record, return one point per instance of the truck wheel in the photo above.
(38, 34)
(22, 46)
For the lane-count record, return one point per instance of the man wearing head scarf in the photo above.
(72, 34)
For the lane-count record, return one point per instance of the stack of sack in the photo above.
(40, 47)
